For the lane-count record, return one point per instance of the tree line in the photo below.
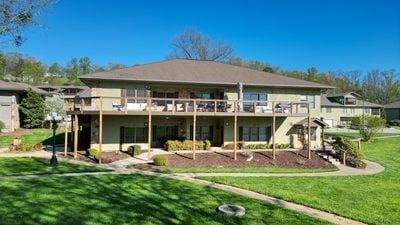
(377, 86)
(19, 68)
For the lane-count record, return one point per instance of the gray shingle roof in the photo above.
(326, 101)
(199, 72)
(393, 105)
(14, 86)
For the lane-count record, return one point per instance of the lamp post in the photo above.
(54, 118)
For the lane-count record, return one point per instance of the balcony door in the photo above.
(162, 134)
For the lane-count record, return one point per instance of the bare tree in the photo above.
(16, 15)
(191, 44)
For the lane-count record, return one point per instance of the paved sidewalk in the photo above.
(40, 153)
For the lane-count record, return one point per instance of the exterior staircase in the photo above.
(329, 158)
(327, 155)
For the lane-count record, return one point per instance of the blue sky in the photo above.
(329, 35)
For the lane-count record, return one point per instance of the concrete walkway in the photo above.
(40, 153)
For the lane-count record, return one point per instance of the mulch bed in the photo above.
(285, 159)
(107, 157)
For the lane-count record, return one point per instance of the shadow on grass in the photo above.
(128, 199)
(28, 166)
(59, 139)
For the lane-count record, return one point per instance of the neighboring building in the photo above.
(176, 98)
(63, 90)
(392, 111)
(339, 109)
(11, 94)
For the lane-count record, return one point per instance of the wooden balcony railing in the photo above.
(182, 106)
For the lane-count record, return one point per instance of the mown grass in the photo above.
(36, 136)
(28, 166)
(355, 135)
(373, 199)
(242, 170)
(129, 199)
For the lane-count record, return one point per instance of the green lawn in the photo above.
(129, 199)
(242, 170)
(35, 136)
(26, 166)
(372, 199)
(355, 135)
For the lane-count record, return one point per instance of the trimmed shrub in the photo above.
(25, 147)
(2, 125)
(251, 146)
(207, 145)
(134, 150)
(173, 145)
(161, 160)
(176, 145)
(93, 152)
(353, 155)
(230, 146)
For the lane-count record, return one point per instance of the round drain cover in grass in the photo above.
(231, 210)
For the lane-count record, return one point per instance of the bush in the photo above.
(257, 146)
(2, 125)
(283, 146)
(25, 147)
(207, 145)
(161, 160)
(394, 122)
(230, 146)
(176, 145)
(93, 152)
(134, 150)
(369, 126)
(353, 155)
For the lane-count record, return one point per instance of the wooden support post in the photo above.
(65, 136)
(235, 134)
(76, 128)
(323, 137)
(309, 132)
(126, 105)
(194, 130)
(149, 132)
(359, 144)
(273, 131)
(100, 129)
(344, 158)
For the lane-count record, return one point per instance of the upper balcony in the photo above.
(185, 107)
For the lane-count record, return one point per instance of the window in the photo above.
(328, 109)
(254, 133)
(202, 133)
(367, 110)
(352, 110)
(308, 98)
(134, 93)
(164, 95)
(375, 111)
(164, 133)
(344, 110)
(133, 134)
(313, 134)
(350, 101)
(202, 95)
(259, 98)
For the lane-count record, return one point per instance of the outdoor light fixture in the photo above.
(54, 118)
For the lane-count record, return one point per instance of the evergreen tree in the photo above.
(32, 110)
